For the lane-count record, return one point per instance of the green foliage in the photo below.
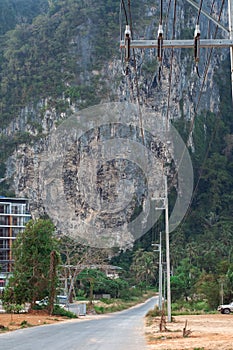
(149, 67)
(39, 307)
(99, 309)
(12, 307)
(207, 286)
(182, 283)
(114, 305)
(25, 324)
(181, 307)
(59, 311)
(15, 11)
(81, 295)
(68, 38)
(154, 312)
(31, 251)
(60, 35)
(4, 329)
(144, 267)
(95, 281)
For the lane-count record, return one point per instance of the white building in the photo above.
(14, 214)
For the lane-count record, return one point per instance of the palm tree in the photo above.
(144, 266)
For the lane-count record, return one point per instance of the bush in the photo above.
(25, 324)
(3, 328)
(99, 309)
(107, 301)
(154, 313)
(13, 308)
(190, 307)
(59, 311)
(39, 307)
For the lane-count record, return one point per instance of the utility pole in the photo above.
(160, 273)
(230, 11)
(159, 43)
(165, 207)
(167, 254)
(160, 270)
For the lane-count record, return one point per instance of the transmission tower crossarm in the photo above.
(178, 44)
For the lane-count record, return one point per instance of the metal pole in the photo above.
(160, 272)
(230, 12)
(164, 285)
(178, 44)
(167, 254)
(222, 292)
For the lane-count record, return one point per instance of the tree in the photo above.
(32, 270)
(208, 287)
(182, 283)
(144, 266)
(76, 258)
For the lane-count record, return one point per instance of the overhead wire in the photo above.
(124, 8)
(166, 18)
(160, 40)
(165, 24)
(136, 78)
(125, 70)
(171, 68)
(197, 36)
(193, 120)
(161, 12)
(207, 65)
(211, 11)
(199, 12)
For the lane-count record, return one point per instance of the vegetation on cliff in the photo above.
(49, 50)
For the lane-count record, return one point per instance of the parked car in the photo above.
(42, 302)
(226, 309)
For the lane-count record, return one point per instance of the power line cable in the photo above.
(171, 67)
(136, 79)
(124, 8)
(166, 19)
(193, 120)
(207, 67)
(161, 12)
(197, 36)
(199, 12)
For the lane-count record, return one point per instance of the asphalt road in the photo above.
(118, 331)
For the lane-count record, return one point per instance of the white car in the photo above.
(226, 309)
(42, 302)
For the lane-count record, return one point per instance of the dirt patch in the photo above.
(208, 332)
(35, 318)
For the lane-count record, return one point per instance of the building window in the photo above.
(4, 268)
(4, 221)
(15, 222)
(4, 244)
(4, 208)
(4, 256)
(4, 232)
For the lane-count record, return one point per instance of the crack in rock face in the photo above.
(116, 189)
(102, 177)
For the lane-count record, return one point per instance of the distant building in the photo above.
(14, 214)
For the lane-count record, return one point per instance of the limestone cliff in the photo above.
(171, 94)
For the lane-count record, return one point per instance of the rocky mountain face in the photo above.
(95, 75)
